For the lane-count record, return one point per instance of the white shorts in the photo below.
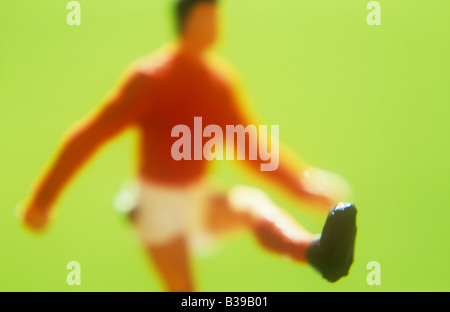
(163, 213)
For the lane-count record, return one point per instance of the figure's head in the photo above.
(197, 22)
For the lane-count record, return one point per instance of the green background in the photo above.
(369, 102)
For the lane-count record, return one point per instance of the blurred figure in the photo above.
(175, 199)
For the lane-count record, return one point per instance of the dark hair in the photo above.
(182, 10)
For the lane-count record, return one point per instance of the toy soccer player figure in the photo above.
(169, 88)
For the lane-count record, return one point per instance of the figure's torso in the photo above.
(183, 89)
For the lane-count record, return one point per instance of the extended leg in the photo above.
(331, 253)
(247, 207)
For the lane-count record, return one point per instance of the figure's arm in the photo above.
(294, 175)
(123, 107)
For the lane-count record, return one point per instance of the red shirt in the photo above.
(158, 94)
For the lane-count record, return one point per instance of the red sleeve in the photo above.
(287, 176)
(124, 107)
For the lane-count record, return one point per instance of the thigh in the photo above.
(220, 215)
(172, 261)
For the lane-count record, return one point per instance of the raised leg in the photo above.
(246, 207)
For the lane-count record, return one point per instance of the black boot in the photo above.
(332, 254)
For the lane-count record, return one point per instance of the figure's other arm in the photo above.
(302, 180)
(123, 107)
